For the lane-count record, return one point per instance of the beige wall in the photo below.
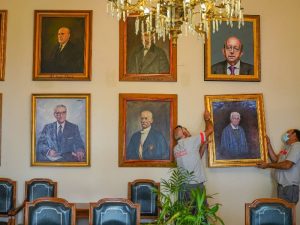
(235, 186)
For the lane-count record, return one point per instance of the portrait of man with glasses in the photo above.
(60, 140)
(232, 65)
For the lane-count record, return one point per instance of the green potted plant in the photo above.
(194, 211)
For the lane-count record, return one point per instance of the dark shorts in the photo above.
(288, 193)
(185, 194)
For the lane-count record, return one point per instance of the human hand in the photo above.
(262, 165)
(52, 153)
(268, 140)
(79, 155)
(206, 115)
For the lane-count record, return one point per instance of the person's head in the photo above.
(63, 35)
(291, 136)
(147, 38)
(180, 132)
(235, 118)
(60, 113)
(146, 119)
(232, 50)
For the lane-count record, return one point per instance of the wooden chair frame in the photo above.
(258, 201)
(51, 199)
(129, 194)
(114, 200)
(12, 213)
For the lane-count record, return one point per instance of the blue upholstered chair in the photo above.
(50, 211)
(40, 187)
(270, 211)
(114, 211)
(141, 191)
(7, 201)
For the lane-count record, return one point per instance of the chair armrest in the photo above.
(16, 210)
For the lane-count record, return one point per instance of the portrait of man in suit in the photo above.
(148, 143)
(147, 135)
(66, 56)
(147, 57)
(232, 65)
(60, 140)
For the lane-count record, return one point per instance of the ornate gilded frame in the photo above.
(164, 111)
(47, 24)
(251, 109)
(78, 113)
(249, 34)
(3, 26)
(128, 41)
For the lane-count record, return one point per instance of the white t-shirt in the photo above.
(187, 156)
(290, 176)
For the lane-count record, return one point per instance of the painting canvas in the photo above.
(3, 25)
(145, 132)
(144, 57)
(60, 130)
(62, 45)
(239, 130)
(233, 53)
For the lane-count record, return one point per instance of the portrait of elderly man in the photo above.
(147, 143)
(232, 65)
(65, 57)
(233, 140)
(60, 140)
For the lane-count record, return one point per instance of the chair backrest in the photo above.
(114, 211)
(7, 195)
(273, 211)
(141, 191)
(52, 211)
(40, 187)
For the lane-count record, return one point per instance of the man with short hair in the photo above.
(233, 140)
(60, 140)
(188, 154)
(232, 65)
(287, 166)
(66, 57)
(148, 143)
(148, 58)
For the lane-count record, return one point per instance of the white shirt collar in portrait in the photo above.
(233, 127)
(144, 134)
(236, 68)
(62, 126)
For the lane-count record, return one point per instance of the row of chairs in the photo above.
(139, 192)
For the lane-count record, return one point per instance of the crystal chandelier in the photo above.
(170, 18)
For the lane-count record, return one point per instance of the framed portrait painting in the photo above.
(239, 130)
(3, 25)
(146, 123)
(60, 130)
(233, 52)
(144, 57)
(62, 45)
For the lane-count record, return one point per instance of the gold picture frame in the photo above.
(158, 63)
(157, 148)
(3, 27)
(71, 147)
(62, 45)
(249, 64)
(239, 130)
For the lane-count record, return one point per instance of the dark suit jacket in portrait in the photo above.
(155, 146)
(71, 141)
(233, 143)
(155, 61)
(67, 60)
(221, 68)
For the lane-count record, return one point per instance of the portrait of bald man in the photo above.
(148, 143)
(232, 65)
